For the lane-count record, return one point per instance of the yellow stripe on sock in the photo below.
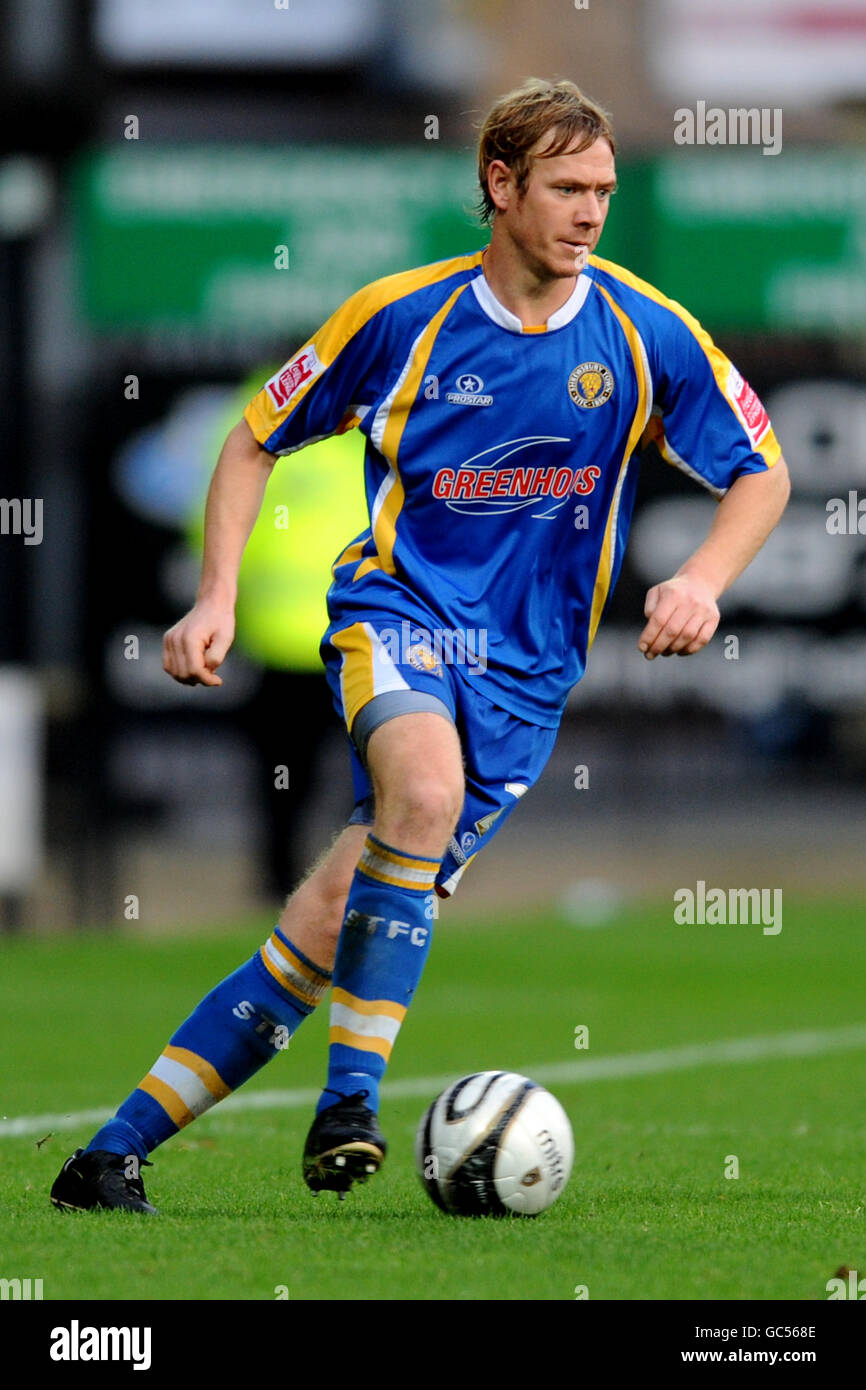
(168, 1098)
(408, 870)
(207, 1075)
(314, 976)
(370, 872)
(369, 1006)
(287, 983)
(407, 860)
(363, 1044)
(395, 878)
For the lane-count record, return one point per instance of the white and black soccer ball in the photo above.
(493, 1143)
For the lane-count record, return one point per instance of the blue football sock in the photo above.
(383, 945)
(230, 1036)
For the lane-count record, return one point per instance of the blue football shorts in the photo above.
(384, 667)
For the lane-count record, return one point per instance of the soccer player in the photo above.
(505, 396)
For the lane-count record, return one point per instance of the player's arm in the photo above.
(683, 613)
(198, 644)
(321, 390)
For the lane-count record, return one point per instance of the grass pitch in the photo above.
(648, 1213)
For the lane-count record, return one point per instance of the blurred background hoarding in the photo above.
(155, 158)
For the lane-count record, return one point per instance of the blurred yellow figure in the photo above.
(314, 506)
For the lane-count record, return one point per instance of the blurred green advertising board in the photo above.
(751, 241)
(192, 237)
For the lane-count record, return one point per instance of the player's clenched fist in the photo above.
(683, 615)
(198, 644)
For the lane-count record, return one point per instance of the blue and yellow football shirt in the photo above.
(501, 462)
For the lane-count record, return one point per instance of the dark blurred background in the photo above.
(155, 158)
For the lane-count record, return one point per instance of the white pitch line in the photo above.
(807, 1043)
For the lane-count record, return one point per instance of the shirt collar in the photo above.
(504, 317)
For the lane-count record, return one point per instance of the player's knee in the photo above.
(428, 805)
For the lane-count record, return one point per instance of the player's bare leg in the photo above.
(314, 913)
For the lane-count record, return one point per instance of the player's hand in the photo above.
(198, 644)
(683, 615)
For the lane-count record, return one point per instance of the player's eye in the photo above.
(574, 188)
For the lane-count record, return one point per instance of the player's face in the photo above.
(563, 209)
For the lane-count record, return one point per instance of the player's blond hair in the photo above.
(521, 117)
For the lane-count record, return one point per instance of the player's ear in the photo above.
(500, 184)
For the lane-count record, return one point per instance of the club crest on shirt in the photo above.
(422, 658)
(590, 385)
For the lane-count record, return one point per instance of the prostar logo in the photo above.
(469, 391)
(481, 488)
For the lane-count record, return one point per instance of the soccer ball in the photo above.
(493, 1143)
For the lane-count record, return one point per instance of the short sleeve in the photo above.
(707, 420)
(330, 383)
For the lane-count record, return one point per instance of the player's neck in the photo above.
(516, 286)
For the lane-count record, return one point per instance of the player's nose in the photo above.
(588, 211)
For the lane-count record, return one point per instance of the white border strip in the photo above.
(807, 1043)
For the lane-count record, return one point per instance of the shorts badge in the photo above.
(422, 658)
